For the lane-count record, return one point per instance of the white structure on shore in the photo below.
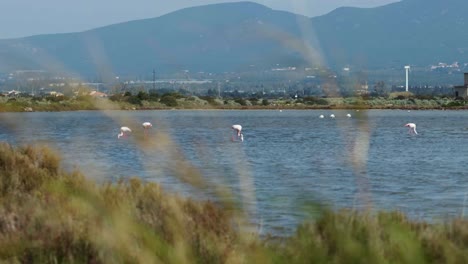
(407, 67)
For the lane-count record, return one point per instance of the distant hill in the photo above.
(236, 36)
(417, 32)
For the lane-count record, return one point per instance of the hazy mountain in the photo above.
(209, 38)
(417, 32)
(236, 36)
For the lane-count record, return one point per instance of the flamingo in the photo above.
(238, 129)
(146, 126)
(124, 132)
(412, 128)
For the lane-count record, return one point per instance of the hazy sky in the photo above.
(20, 18)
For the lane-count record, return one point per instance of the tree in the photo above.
(142, 95)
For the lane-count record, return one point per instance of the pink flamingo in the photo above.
(412, 128)
(124, 131)
(238, 129)
(146, 126)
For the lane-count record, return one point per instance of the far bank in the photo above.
(174, 100)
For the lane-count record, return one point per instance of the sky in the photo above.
(20, 18)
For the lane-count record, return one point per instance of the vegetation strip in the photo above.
(49, 215)
(175, 100)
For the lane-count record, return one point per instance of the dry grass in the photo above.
(48, 215)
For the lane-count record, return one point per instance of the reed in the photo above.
(48, 215)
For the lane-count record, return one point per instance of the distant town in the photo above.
(277, 82)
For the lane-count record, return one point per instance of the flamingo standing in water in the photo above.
(412, 128)
(238, 129)
(146, 126)
(124, 131)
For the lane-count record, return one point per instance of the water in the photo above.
(288, 161)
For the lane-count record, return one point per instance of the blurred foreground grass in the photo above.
(48, 215)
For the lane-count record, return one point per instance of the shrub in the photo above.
(454, 104)
(134, 100)
(48, 215)
(84, 98)
(56, 99)
(153, 96)
(314, 100)
(401, 95)
(143, 95)
(51, 216)
(169, 100)
(210, 99)
(116, 97)
(241, 101)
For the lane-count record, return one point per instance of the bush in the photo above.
(116, 97)
(169, 100)
(176, 95)
(311, 100)
(425, 97)
(400, 95)
(143, 95)
(454, 104)
(241, 101)
(84, 98)
(50, 216)
(153, 96)
(254, 101)
(56, 99)
(134, 100)
(210, 99)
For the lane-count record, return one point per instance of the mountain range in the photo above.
(243, 35)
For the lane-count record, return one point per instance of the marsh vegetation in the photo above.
(49, 215)
(178, 100)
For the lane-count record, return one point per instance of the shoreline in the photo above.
(243, 109)
(195, 103)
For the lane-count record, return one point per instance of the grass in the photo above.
(48, 215)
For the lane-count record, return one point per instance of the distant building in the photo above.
(362, 88)
(54, 94)
(462, 91)
(13, 93)
(97, 94)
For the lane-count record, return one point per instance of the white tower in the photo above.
(407, 67)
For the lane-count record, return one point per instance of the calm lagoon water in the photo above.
(289, 159)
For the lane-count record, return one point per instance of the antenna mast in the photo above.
(407, 67)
